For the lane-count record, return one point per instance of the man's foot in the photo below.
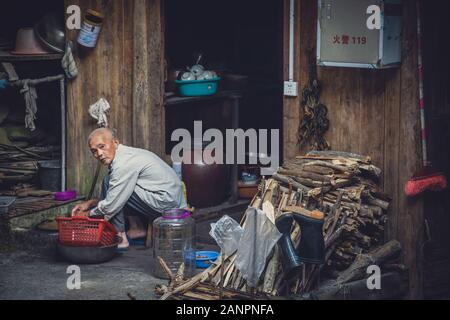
(124, 244)
(136, 234)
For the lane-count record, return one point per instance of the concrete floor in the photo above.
(26, 275)
(30, 268)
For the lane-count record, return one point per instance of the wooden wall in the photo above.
(126, 69)
(372, 112)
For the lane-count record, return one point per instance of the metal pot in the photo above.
(50, 32)
(87, 255)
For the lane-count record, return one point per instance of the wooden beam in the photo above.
(411, 214)
(104, 71)
(291, 105)
(148, 76)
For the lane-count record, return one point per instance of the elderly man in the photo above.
(137, 180)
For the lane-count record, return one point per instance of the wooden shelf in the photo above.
(209, 213)
(175, 100)
(6, 56)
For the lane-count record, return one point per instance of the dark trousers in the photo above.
(134, 206)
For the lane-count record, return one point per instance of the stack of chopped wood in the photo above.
(344, 186)
(19, 165)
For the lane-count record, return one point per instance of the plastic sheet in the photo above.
(227, 232)
(260, 236)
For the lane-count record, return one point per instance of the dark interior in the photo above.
(237, 37)
(20, 14)
(437, 109)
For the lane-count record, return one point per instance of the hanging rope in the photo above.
(314, 123)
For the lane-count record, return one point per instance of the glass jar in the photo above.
(174, 241)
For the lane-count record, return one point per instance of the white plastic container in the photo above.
(90, 29)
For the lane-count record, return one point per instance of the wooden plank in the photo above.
(155, 13)
(148, 76)
(141, 87)
(391, 150)
(371, 131)
(410, 219)
(291, 105)
(224, 94)
(102, 73)
(308, 14)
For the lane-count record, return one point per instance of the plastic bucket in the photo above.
(50, 175)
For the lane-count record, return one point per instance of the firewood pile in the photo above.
(19, 166)
(20, 147)
(344, 187)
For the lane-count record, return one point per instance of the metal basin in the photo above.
(87, 255)
(50, 31)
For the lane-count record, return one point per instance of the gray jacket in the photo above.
(143, 172)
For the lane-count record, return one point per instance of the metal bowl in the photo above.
(50, 31)
(87, 255)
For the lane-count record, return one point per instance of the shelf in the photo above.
(8, 57)
(175, 100)
(225, 208)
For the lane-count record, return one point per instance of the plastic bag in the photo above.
(260, 236)
(227, 233)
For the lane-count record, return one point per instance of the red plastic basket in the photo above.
(86, 232)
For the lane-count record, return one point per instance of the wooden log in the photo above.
(340, 154)
(289, 181)
(179, 277)
(24, 165)
(394, 286)
(335, 212)
(305, 174)
(17, 178)
(9, 171)
(371, 169)
(318, 170)
(166, 269)
(362, 261)
(271, 271)
(377, 202)
(311, 183)
(194, 280)
(335, 167)
(340, 183)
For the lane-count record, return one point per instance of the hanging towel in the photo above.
(68, 62)
(99, 110)
(30, 95)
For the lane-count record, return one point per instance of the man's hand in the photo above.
(82, 209)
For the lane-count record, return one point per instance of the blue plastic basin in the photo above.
(210, 256)
(194, 88)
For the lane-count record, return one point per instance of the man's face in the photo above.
(103, 148)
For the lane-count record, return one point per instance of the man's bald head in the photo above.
(107, 132)
(103, 145)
